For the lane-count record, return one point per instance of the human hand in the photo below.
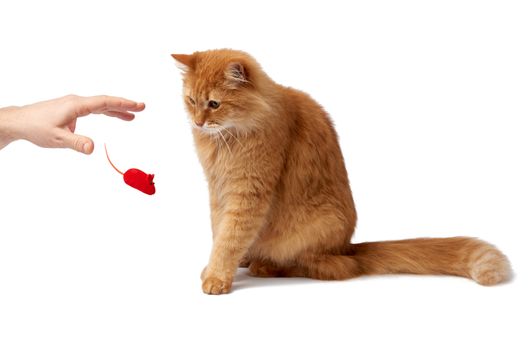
(52, 123)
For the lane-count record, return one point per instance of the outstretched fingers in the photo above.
(127, 116)
(109, 105)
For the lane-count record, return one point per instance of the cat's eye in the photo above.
(191, 100)
(213, 104)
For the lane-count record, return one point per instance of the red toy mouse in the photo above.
(136, 178)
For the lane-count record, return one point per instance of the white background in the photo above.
(431, 101)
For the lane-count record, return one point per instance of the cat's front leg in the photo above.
(243, 217)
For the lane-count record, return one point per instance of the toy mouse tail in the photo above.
(109, 159)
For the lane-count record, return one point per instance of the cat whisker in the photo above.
(224, 140)
(215, 138)
(231, 134)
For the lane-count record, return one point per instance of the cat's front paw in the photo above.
(215, 286)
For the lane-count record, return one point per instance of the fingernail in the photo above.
(86, 148)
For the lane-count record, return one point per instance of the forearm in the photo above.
(8, 130)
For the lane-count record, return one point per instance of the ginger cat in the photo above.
(280, 199)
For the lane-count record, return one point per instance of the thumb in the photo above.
(78, 143)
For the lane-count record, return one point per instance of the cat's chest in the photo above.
(218, 159)
(233, 161)
(222, 171)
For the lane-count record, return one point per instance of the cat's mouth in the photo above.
(209, 128)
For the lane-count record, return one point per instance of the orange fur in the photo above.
(280, 199)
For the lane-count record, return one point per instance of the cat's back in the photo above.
(312, 129)
(307, 112)
(314, 160)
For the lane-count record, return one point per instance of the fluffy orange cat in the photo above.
(280, 199)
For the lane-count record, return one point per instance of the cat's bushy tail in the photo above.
(461, 256)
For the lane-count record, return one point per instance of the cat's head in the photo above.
(222, 89)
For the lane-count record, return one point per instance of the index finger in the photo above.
(101, 104)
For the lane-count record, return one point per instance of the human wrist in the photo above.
(8, 125)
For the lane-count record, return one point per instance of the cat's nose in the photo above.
(199, 123)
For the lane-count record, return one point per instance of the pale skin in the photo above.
(52, 123)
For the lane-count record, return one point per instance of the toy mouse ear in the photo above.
(184, 62)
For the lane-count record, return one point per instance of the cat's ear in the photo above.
(184, 62)
(236, 74)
